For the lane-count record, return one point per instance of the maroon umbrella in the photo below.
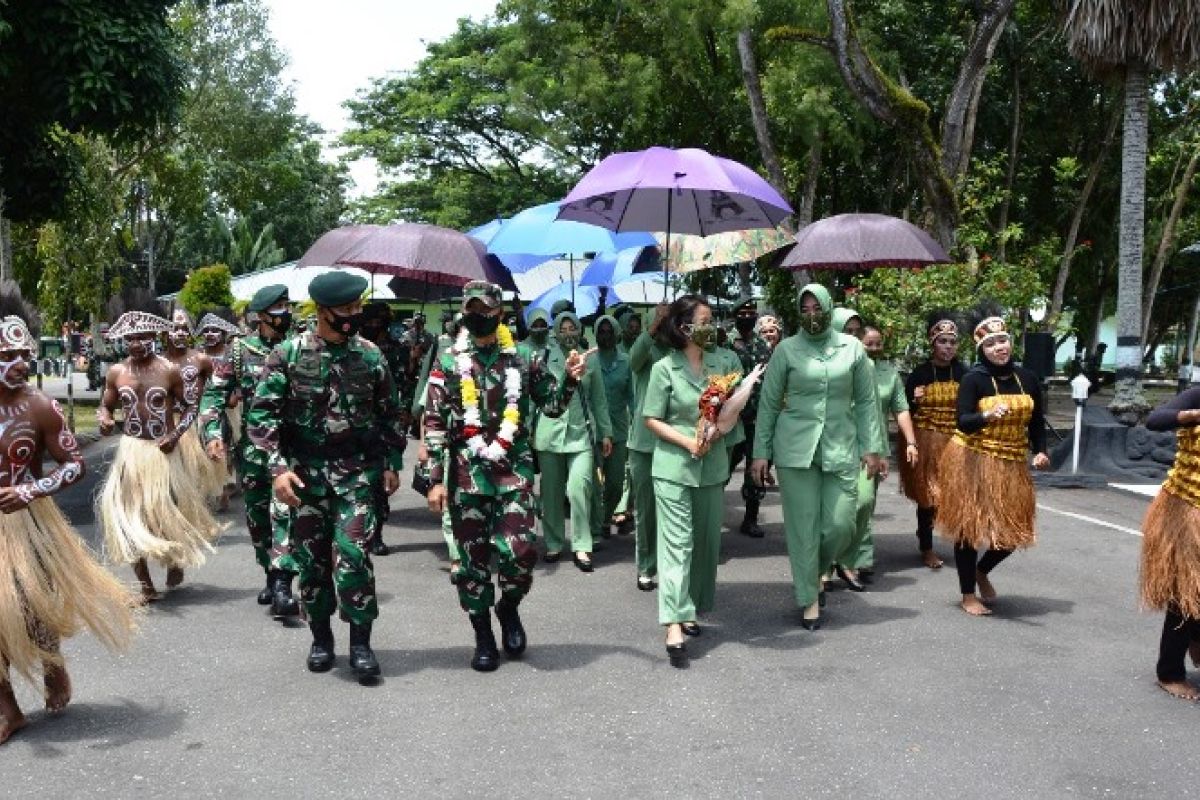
(863, 241)
(326, 250)
(427, 262)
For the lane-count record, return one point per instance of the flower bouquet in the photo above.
(721, 404)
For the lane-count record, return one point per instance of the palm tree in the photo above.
(1131, 39)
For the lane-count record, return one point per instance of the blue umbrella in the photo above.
(537, 231)
(611, 268)
(586, 299)
(486, 231)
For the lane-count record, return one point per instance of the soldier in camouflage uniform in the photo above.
(478, 403)
(376, 328)
(232, 385)
(326, 416)
(413, 351)
(751, 349)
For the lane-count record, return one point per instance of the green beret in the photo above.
(749, 303)
(267, 296)
(336, 288)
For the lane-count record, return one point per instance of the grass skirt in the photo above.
(51, 586)
(917, 483)
(234, 416)
(150, 507)
(1170, 570)
(208, 475)
(983, 501)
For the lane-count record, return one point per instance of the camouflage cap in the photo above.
(336, 288)
(489, 293)
(266, 297)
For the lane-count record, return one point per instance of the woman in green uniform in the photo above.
(566, 448)
(644, 354)
(858, 560)
(689, 475)
(618, 391)
(817, 421)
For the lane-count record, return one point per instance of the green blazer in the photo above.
(818, 406)
(889, 390)
(673, 396)
(568, 433)
(618, 390)
(643, 355)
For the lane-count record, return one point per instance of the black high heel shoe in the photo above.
(852, 583)
(690, 628)
(677, 653)
(584, 566)
(811, 624)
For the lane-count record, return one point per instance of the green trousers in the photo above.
(645, 514)
(614, 480)
(570, 474)
(818, 522)
(860, 552)
(689, 546)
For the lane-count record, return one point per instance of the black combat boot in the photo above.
(486, 657)
(282, 602)
(362, 658)
(377, 547)
(264, 597)
(320, 655)
(752, 496)
(512, 633)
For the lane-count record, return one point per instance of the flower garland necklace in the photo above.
(472, 421)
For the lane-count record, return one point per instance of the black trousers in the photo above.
(967, 560)
(925, 528)
(1177, 636)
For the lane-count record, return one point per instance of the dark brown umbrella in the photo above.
(332, 244)
(863, 241)
(427, 262)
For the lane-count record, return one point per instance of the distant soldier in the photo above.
(326, 415)
(376, 328)
(233, 385)
(751, 350)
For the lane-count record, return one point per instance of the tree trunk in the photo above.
(1167, 243)
(758, 112)
(892, 104)
(1129, 403)
(1191, 337)
(1064, 265)
(6, 262)
(958, 124)
(808, 196)
(1010, 174)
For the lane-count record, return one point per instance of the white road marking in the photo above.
(1092, 520)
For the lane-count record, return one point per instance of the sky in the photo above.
(336, 48)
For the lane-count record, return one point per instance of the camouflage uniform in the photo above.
(267, 519)
(328, 412)
(491, 503)
(407, 374)
(757, 351)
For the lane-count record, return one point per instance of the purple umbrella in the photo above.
(428, 262)
(863, 241)
(332, 244)
(676, 191)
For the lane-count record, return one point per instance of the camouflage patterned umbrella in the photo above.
(692, 253)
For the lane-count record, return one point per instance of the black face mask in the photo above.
(606, 340)
(346, 324)
(480, 325)
(539, 336)
(279, 323)
(744, 325)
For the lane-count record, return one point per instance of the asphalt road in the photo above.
(900, 695)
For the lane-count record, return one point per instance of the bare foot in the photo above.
(1194, 652)
(971, 605)
(1181, 689)
(223, 503)
(987, 592)
(149, 594)
(58, 689)
(931, 559)
(11, 718)
(174, 577)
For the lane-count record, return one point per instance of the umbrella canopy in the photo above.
(428, 262)
(692, 253)
(863, 241)
(486, 231)
(538, 232)
(611, 268)
(679, 191)
(332, 244)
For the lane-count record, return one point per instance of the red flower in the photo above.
(471, 430)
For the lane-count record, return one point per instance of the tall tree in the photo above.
(1132, 39)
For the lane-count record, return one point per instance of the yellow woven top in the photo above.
(1007, 437)
(938, 409)
(1183, 480)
